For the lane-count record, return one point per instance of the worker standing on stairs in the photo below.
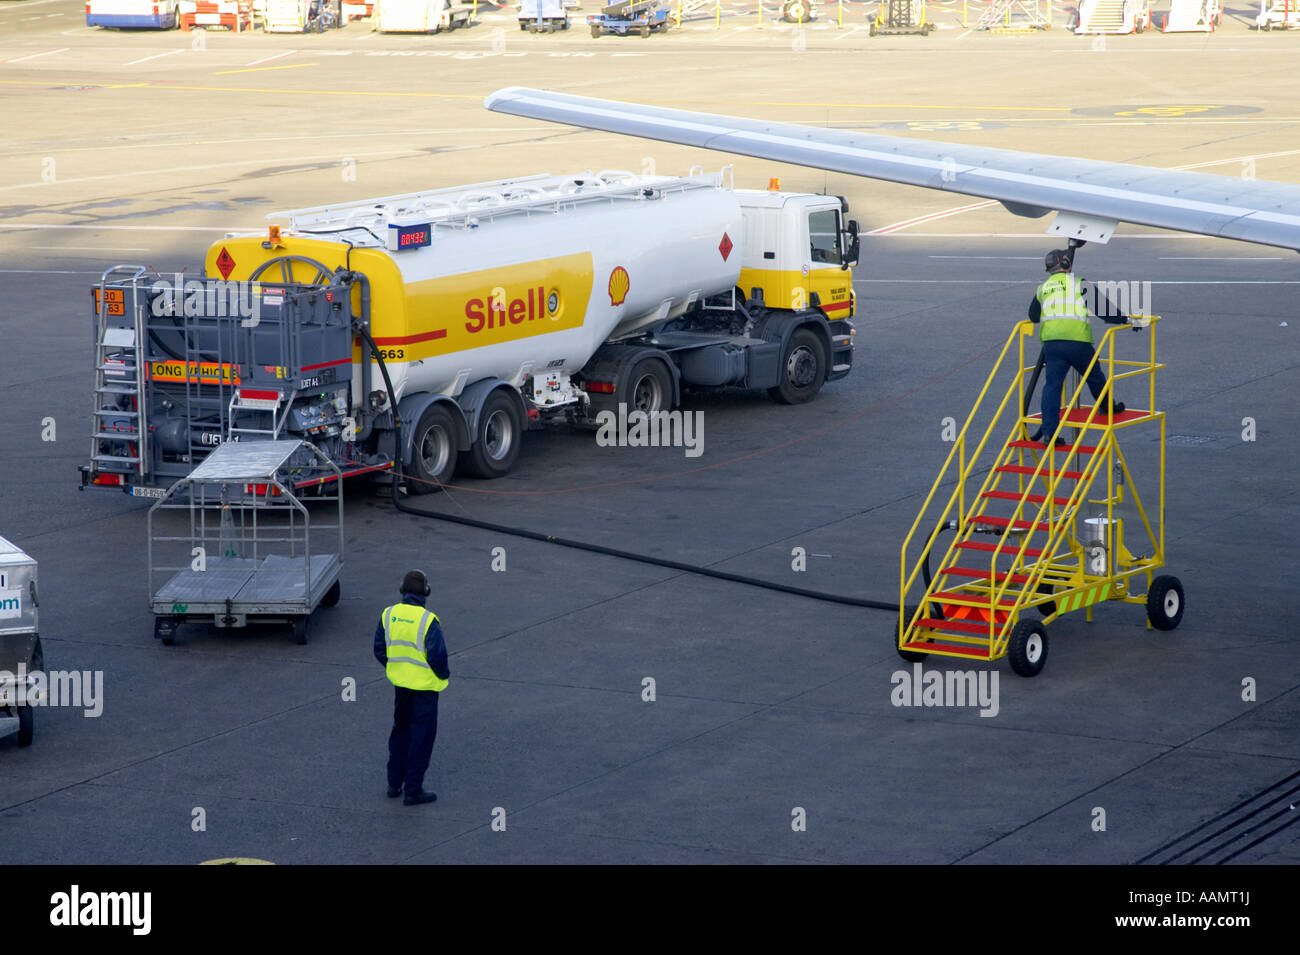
(1061, 310)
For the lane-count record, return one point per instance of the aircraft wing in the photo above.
(1090, 196)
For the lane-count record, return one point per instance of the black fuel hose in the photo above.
(582, 545)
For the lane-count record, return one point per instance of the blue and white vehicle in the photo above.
(146, 14)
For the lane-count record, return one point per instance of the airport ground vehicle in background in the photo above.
(493, 307)
(301, 16)
(156, 14)
(543, 16)
(420, 16)
(622, 17)
(20, 642)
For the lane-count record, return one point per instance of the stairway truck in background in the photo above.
(1048, 527)
(1113, 16)
(494, 308)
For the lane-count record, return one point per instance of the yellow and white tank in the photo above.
(515, 277)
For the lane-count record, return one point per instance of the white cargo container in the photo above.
(21, 655)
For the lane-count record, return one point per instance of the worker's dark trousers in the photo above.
(410, 745)
(1058, 358)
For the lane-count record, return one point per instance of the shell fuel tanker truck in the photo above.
(481, 311)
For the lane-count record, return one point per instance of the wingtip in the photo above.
(503, 95)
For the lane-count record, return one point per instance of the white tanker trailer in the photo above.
(493, 307)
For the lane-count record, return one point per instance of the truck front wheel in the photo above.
(803, 369)
(433, 451)
(496, 438)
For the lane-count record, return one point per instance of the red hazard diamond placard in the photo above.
(226, 262)
(725, 246)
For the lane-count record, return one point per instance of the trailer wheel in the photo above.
(497, 436)
(911, 656)
(803, 369)
(433, 451)
(1028, 649)
(1165, 603)
(164, 629)
(523, 27)
(595, 31)
(331, 597)
(651, 387)
(300, 630)
(532, 27)
(26, 725)
(645, 30)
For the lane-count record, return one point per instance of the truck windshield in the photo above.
(824, 234)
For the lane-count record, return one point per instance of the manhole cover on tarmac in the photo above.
(1166, 110)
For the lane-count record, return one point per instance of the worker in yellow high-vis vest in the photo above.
(408, 642)
(1061, 310)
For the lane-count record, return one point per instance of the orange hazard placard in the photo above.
(116, 298)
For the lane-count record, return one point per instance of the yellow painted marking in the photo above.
(259, 69)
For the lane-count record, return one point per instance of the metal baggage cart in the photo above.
(250, 549)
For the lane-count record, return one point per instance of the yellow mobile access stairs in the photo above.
(1053, 530)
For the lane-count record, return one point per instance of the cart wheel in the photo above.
(1028, 649)
(1165, 603)
(331, 597)
(911, 656)
(871, 30)
(26, 725)
(645, 30)
(164, 629)
(595, 31)
(300, 630)
(523, 28)
(532, 27)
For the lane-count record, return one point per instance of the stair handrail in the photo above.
(906, 581)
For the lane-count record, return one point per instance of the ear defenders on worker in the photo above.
(416, 582)
(1058, 259)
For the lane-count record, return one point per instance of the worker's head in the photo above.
(415, 582)
(1059, 260)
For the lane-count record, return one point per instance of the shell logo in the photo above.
(619, 283)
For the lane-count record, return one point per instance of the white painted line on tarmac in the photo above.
(146, 59)
(1221, 258)
(86, 248)
(132, 228)
(1028, 258)
(27, 6)
(32, 56)
(45, 272)
(276, 56)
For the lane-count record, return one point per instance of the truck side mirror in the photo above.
(855, 246)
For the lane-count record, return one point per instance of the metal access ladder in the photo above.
(1056, 527)
(119, 414)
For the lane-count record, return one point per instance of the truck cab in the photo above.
(798, 252)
